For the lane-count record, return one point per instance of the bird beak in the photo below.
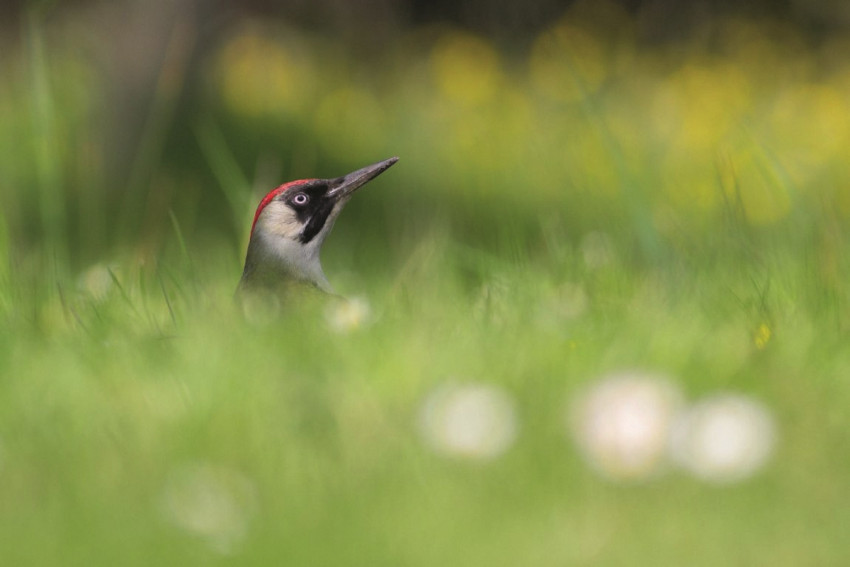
(344, 186)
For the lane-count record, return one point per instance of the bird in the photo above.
(290, 225)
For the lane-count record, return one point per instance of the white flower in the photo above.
(211, 502)
(567, 302)
(724, 439)
(260, 308)
(622, 424)
(96, 281)
(475, 421)
(348, 315)
(597, 250)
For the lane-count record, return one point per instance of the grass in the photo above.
(145, 418)
(108, 400)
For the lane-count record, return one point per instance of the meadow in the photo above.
(585, 209)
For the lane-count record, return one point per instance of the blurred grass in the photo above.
(589, 206)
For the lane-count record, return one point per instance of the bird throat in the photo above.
(281, 261)
(278, 264)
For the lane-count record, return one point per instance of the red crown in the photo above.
(271, 195)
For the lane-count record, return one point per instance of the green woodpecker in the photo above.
(290, 225)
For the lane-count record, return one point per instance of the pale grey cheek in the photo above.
(280, 221)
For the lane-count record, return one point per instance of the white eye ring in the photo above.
(300, 199)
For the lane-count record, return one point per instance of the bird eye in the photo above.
(300, 199)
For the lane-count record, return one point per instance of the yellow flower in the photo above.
(259, 75)
(466, 68)
(762, 336)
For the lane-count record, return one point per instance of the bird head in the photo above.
(291, 224)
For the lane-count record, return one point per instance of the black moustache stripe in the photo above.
(317, 221)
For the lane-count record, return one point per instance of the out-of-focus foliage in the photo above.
(602, 308)
(587, 127)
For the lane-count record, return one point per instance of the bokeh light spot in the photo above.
(474, 421)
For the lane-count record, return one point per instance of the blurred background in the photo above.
(655, 119)
(601, 305)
